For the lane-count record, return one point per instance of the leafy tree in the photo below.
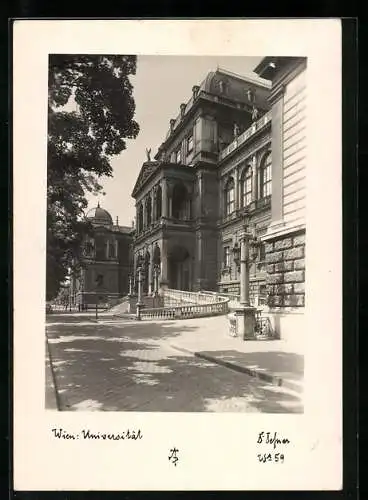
(90, 116)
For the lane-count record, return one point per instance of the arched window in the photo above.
(266, 176)
(246, 186)
(230, 196)
(149, 211)
(158, 201)
(140, 217)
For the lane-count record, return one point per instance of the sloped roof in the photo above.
(235, 88)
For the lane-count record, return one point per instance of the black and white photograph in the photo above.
(178, 253)
(185, 289)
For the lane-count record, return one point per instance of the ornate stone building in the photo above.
(285, 238)
(234, 157)
(106, 262)
(180, 194)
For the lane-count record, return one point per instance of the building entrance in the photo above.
(179, 269)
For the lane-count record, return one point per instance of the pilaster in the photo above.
(277, 157)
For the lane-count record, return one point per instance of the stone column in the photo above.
(144, 214)
(130, 285)
(277, 157)
(156, 275)
(153, 201)
(139, 301)
(150, 272)
(135, 273)
(236, 189)
(169, 191)
(164, 203)
(164, 282)
(254, 179)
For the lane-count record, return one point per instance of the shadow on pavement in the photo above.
(127, 367)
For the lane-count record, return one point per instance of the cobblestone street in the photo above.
(128, 365)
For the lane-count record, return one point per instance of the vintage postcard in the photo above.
(177, 255)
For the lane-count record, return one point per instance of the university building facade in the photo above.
(233, 160)
(233, 157)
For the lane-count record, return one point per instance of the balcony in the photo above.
(184, 222)
(255, 127)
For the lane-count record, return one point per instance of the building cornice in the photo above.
(276, 230)
(277, 93)
(279, 88)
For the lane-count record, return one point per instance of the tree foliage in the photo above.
(90, 116)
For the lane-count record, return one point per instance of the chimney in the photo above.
(195, 91)
(172, 124)
(117, 220)
(182, 109)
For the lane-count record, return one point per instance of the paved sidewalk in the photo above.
(275, 361)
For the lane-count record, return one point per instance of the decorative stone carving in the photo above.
(255, 114)
(182, 109)
(236, 130)
(195, 91)
(148, 153)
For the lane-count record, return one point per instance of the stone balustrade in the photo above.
(181, 304)
(266, 118)
(186, 311)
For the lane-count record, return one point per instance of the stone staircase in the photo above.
(128, 304)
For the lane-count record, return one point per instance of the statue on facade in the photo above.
(236, 130)
(254, 114)
(148, 153)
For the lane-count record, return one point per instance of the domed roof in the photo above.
(99, 216)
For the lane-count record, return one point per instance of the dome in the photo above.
(99, 216)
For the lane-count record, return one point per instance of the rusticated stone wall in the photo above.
(286, 271)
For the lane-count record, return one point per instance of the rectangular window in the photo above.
(267, 182)
(230, 201)
(190, 143)
(247, 194)
(112, 250)
(266, 177)
(178, 156)
(226, 256)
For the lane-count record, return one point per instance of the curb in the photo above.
(267, 377)
(53, 377)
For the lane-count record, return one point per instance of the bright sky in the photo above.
(161, 83)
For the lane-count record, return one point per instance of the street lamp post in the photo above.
(130, 285)
(243, 254)
(139, 301)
